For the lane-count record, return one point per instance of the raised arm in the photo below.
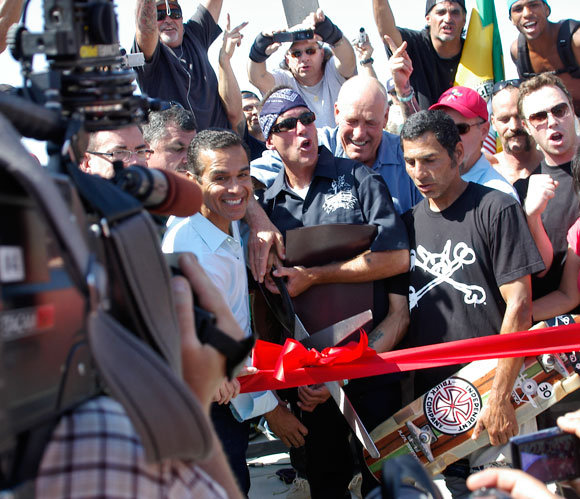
(10, 11)
(228, 87)
(385, 21)
(214, 7)
(147, 33)
(340, 46)
(259, 76)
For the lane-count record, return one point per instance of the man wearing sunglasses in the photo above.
(545, 106)
(313, 188)
(544, 46)
(519, 156)
(176, 62)
(125, 145)
(469, 112)
(312, 71)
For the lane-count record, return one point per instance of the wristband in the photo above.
(328, 31)
(366, 61)
(258, 50)
(407, 98)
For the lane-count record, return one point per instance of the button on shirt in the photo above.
(222, 258)
(389, 164)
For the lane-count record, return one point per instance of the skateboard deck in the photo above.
(436, 428)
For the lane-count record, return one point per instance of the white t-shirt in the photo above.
(321, 97)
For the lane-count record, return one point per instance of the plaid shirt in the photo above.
(95, 452)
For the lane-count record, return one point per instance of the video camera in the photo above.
(85, 302)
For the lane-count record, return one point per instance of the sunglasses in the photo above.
(297, 53)
(290, 123)
(500, 85)
(463, 128)
(174, 14)
(559, 111)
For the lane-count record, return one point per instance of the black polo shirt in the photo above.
(342, 191)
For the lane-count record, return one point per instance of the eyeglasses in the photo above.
(174, 14)
(124, 155)
(463, 128)
(309, 51)
(290, 123)
(559, 111)
(500, 85)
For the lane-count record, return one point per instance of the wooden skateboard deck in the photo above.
(436, 428)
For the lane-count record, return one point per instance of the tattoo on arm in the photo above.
(374, 337)
(147, 16)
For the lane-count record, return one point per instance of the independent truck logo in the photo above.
(452, 406)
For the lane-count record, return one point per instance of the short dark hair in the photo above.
(438, 123)
(211, 139)
(576, 171)
(536, 83)
(155, 129)
(246, 94)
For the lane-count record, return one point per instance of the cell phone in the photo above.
(293, 36)
(549, 455)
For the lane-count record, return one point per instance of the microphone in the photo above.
(162, 192)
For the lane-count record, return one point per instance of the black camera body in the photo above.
(293, 36)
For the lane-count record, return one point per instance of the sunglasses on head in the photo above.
(500, 85)
(297, 53)
(464, 128)
(174, 14)
(290, 123)
(541, 117)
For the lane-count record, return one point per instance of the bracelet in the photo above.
(366, 61)
(408, 97)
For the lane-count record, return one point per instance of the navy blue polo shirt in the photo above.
(342, 191)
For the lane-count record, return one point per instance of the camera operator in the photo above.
(107, 146)
(96, 452)
(519, 484)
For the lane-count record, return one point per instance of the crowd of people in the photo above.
(465, 243)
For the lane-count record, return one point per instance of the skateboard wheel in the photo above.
(530, 387)
(545, 390)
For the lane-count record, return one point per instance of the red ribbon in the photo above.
(294, 365)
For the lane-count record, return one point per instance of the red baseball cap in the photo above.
(464, 100)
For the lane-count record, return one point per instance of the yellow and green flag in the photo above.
(481, 63)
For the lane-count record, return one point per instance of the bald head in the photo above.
(361, 112)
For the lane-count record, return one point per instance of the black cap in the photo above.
(431, 3)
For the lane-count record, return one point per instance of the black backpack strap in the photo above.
(567, 28)
(523, 63)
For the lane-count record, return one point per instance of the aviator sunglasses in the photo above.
(174, 14)
(297, 53)
(559, 111)
(290, 123)
(464, 128)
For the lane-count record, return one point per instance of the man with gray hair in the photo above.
(169, 134)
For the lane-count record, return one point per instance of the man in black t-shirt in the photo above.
(176, 64)
(471, 259)
(434, 51)
(545, 105)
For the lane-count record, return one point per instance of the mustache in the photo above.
(520, 132)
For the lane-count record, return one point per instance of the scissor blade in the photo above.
(352, 418)
(339, 332)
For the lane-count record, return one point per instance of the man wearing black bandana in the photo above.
(435, 51)
(316, 188)
(176, 63)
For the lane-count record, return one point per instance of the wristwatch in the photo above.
(234, 351)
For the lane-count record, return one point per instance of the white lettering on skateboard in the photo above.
(452, 406)
(442, 267)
